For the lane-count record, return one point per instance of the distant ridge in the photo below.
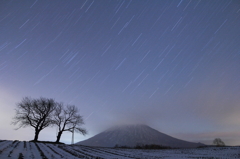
(132, 135)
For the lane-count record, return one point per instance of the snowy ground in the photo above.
(30, 150)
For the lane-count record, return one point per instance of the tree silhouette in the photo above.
(218, 142)
(36, 113)
(68, 119)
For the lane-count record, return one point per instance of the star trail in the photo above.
(171, 64)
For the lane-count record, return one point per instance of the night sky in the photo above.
(173, 65)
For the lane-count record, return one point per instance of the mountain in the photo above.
(132, 135)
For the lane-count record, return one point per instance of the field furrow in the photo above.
(105, 152)
(31, 150)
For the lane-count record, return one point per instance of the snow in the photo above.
(29, 150)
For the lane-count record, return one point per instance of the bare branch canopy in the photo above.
(35, 113)
(43, 112)
(68, 119)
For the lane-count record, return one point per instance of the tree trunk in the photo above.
(36, 135)
(59, 136)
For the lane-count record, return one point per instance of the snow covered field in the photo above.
(30, 150)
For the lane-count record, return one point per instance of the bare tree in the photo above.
(35, 113)
(218, 142)
(68, 119)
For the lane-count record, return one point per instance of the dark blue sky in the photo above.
(173, 65)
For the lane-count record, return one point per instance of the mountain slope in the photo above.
(131, 135)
